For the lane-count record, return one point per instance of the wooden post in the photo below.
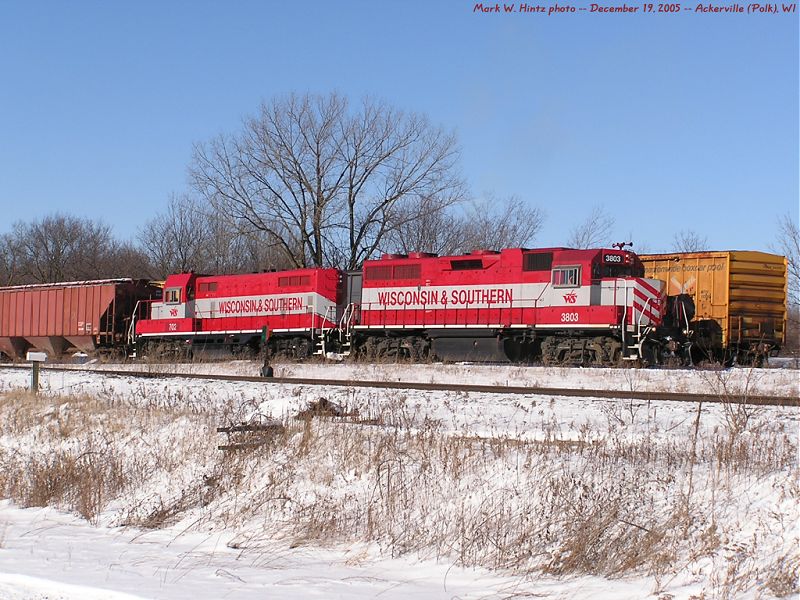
(35, 377)
(36, 359)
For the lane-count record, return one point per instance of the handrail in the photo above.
(132, 326)
(330, 309)
(685, 318)
(347, 318)
(624, 327)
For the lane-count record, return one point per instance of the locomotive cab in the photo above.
(178, 296)
(178, 299)
(174, 314)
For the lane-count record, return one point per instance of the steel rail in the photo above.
(760, 400)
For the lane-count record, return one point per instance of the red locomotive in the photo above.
(284, 311)
(554, 304)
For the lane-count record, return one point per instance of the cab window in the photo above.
(173, 296)
(566, 277)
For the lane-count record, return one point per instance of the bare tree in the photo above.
(689, 241)
(9, 261)
(595, 231)
(194, 235)
(788, 244)
(489, 223)
(327, 182)
(230, 249)
(174, 240)
(427, 226)
(638, 246)
(124, 259)
(494, 224)
(258, 251)
(61, 247)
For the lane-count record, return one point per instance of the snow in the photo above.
(48, 554)
(521, 416)
(51, 555)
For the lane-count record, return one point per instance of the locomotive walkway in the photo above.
(752, 399)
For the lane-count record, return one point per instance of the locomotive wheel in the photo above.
(422, 349)
(411, 348)
(279, 348)
(610, 350)
(291, 348)
(651, 354)
(599, 352)
(169, 351)
(549, 346)
(414, 348)
(370, 349)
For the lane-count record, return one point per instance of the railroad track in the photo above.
(760, 400)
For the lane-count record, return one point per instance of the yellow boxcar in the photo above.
(740, 297)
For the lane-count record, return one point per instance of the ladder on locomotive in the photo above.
(341, 333)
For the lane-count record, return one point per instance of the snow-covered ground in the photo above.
(738, 537)
(519, 416)
(54, 556)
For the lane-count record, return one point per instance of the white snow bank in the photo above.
(48, 555)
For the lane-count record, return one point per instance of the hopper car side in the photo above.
(90, 316)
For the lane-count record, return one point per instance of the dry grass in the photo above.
(81, 453)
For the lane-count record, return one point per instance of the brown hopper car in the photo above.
(739, 299)
(56, 317)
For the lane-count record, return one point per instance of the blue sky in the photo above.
(671, 122)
